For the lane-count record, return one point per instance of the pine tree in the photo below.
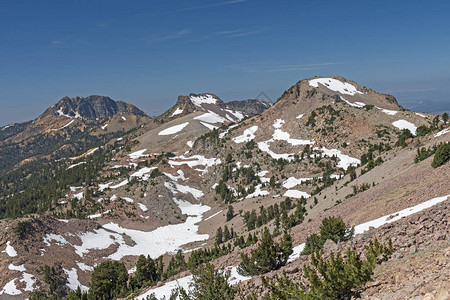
(230, 213)
(219, 236)
(226, 234)
(445, 117)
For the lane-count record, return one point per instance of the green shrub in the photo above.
(442, 155)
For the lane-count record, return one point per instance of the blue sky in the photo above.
(149, 52)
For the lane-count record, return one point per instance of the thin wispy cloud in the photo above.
(240, 33)
(167, 36)
(268, 68)
(192, 8)
(234, 33)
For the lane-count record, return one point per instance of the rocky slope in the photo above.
(418, 269)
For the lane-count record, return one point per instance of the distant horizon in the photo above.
(446, 106)
(149, 52)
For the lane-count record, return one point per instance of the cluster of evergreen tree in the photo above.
(331, 228)
(279, 213)
(245, 178)
(369, 160)
(358, 189)
(268, 256)
(423, 153)
(223, 236)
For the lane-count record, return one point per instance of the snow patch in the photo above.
(236, 114)
(142, 207)
(59, 239)
(184, 189)
(199, 100)
(403, 124)
(84, 267)
(65, 125)
(74, 165)
(388, 111)
(344, 160)
(442, 132)
(335, 85)
(20, 268)
(175, 178)
(10, 250)
(138, 154)
(209, 126)
(296, 194)
(72, 278)
(29, 281)
(177, 112)
(212, 216)
(257, 192)
(210, 117)
(165, 290)
(10, 288)
(195, 160)
(292, 181)
(247, 136)
(173, 129)
(99, 214)
(356, 104)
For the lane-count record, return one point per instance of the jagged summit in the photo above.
(232, 111)
(92, 107)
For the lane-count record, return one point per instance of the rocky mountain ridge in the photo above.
(93, 107)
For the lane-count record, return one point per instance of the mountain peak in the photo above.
(336, 87)
(91, 107)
